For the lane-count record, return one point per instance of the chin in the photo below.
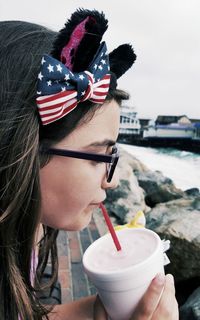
(76, 227)
(85, 219)
(84, 224)
(80, 224)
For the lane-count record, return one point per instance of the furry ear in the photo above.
(121, 59)
(77, 43)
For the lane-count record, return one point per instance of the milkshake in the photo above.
(122, 277)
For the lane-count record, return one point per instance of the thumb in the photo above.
(150, 300)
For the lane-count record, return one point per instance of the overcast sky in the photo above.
(164, 33)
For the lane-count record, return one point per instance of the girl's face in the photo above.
(72, 188)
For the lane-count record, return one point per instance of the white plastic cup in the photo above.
(121, 286)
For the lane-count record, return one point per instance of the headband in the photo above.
(78, 68)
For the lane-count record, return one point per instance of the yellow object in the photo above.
(137, 222)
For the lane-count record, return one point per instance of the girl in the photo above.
(59, 122)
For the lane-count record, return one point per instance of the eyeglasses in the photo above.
(110, 159)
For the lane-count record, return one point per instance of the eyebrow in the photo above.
(104, 143)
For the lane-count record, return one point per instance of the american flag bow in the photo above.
(59, 90)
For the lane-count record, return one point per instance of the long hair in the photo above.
(22, 45)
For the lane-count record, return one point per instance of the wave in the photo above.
(182, 167)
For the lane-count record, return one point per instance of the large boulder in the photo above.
(128, 198)
(157, 187)
(192, 192)
(191, 309)
(179, 221)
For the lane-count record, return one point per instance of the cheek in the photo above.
(82, 184)
(66, 193)
(61, 187)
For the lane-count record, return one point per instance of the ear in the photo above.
(77, 43)
(121, 59)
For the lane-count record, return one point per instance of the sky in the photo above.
(165, 34)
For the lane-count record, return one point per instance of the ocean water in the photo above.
(181, 166)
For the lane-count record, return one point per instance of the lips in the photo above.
(98, 203)
(95, 204)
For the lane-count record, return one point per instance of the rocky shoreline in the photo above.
(172, 213)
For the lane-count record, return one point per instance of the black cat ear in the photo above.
(121, 59)
(77, 43)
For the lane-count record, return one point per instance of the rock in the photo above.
(179, 221)
(128, 198)
(184, 289)
(196, 203)
(158, 188)
(175, 215)
(128, 159)
(191, 309)
(194, 192)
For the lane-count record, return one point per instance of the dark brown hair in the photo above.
(22, 45)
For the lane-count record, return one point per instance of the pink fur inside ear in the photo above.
(69, 51)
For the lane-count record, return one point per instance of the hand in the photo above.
(159, 302)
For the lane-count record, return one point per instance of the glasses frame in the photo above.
(110, 159)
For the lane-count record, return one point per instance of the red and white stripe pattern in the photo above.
(55, 106)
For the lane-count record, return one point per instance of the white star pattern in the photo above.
(43, 60)
(55, 77)
(59, 68)
(50, 68)
(40, 76)
(67, 77)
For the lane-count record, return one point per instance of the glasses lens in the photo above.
(111, 166)
(108, 170)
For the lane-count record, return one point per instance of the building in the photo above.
(177, 132)
(165, 120)
(173, 131)
(129, 123)
(171, 127)
(144, 123)
(197, 130)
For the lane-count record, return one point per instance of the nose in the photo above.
(113, 183)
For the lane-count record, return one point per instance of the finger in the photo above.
(167, 308)
(150, 300)
(169, 284)
(99, 311)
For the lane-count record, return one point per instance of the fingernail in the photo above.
(160, 279)
(170, 278)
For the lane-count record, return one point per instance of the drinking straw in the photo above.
(110, 227)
